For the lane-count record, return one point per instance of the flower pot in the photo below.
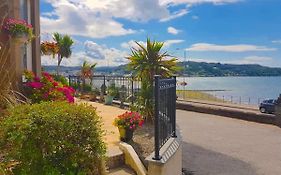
(108, 100)
(23, 38)
(126, 135)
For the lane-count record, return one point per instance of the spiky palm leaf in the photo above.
(145, 62)
(65, 47)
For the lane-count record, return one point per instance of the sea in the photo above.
(246, 90)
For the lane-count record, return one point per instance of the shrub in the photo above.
(113, 91)
(61, 79)
(47, 89)
(64, 140)
(87, 88)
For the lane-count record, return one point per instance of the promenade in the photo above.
(215, 145)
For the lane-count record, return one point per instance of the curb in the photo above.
(132, 159)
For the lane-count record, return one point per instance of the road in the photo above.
(214, 145)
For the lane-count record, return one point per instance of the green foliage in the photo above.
(87, 88)
(113, 91)
(64, 43)
(87, 69)
(96, 91)
(53, 138)
(145, 62)
(62, 79)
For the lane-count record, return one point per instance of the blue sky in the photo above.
(226, 31)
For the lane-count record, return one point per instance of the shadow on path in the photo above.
(200, 161)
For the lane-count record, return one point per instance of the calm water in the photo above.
(244, 89)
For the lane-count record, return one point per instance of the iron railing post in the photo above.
(132, 99)
(156, 118)
(174, 99)
(104, 84)
(69, 80)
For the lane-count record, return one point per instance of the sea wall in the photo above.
(242, 114)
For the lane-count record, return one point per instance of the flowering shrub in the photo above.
(17, 27)
(49, 48)
(47, 89)
(129, 120)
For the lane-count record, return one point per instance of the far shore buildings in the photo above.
(15, 57)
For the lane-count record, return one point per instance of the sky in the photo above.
(225, 31)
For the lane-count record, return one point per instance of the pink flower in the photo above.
(35, 85)
(36, 79)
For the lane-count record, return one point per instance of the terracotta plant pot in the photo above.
(126, 135)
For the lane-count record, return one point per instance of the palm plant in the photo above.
(145, 62)
(87, 71)
(64, 43)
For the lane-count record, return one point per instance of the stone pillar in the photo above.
(278, 111)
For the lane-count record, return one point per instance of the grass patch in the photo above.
(197, 95)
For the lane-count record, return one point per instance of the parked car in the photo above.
(267, 106)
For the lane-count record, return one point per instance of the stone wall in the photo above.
(228, 112)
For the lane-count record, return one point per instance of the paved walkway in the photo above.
(108, 114)
(214, 145)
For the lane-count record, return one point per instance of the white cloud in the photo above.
(98, 18)
(195, 17)
(256, 60)
(173, 30)
(191, 2)
(169, 43)
(276, 41)
(94, 53)
(228, 48)
(175, 15)
(76, 19)
(132, 44)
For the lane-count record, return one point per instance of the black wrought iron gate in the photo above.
(165, 112)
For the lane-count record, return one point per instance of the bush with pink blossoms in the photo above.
(46, 88)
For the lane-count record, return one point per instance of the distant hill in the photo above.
(190, 68)
(218, 69)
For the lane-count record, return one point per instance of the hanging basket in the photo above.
(21, 39)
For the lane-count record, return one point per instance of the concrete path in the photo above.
(214, 145)
(108, 114)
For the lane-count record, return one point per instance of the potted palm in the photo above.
(127, 123)
(112, 92)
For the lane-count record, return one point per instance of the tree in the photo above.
(64, 43)
(87, 71)
(145, 62)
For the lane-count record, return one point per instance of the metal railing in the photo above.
(221, 97)
(127, 86)
(165, 112)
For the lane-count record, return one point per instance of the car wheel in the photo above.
(263, 110)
